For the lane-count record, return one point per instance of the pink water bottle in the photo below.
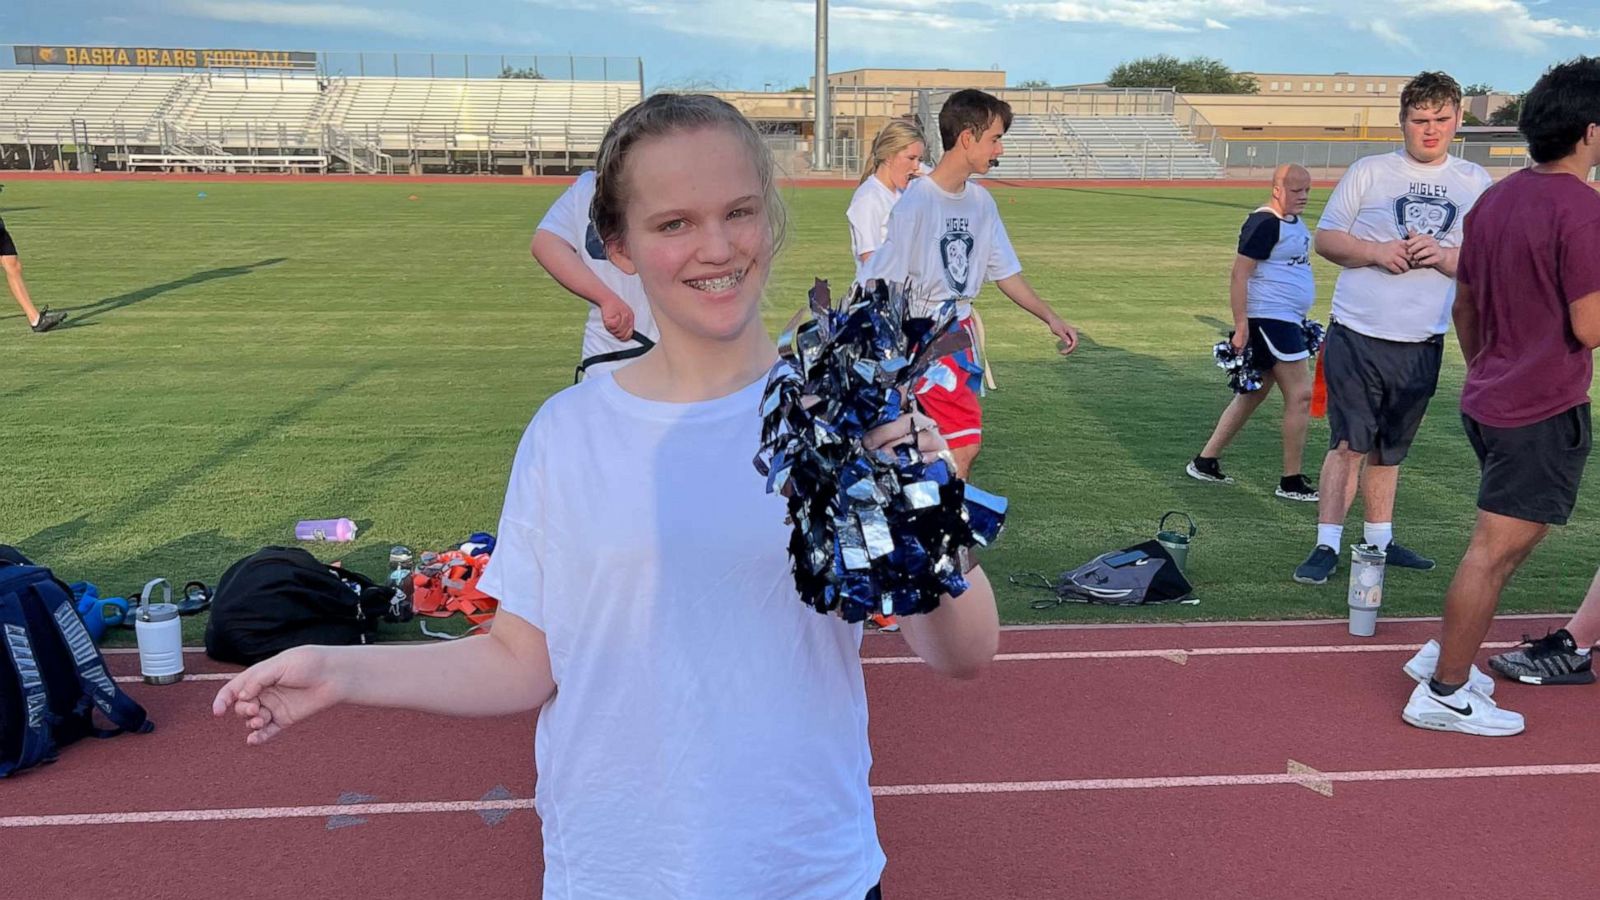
(325, 530)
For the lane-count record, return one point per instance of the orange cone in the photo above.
(1319, 389)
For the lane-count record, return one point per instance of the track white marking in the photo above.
(1173, 654)
(1179, 656)
(1297, 774)
(188, 676)
(1302, 776)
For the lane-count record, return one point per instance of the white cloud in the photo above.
(1493, 22)
(790, 24)
(398, 22)
(1387, 33)
(1152, 15)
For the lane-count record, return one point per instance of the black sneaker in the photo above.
(1406, 558)
(48, 320)
(1296, 487)
(1552, 659)
(1207, 468)
(1318, 566)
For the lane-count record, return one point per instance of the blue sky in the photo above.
(749, 43)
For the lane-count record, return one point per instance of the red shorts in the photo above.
(958, 412)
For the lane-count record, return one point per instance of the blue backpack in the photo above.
(52, 677)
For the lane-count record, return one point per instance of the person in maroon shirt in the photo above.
(1527, 315)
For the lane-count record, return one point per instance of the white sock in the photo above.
(1584, 651)
(1378, 534)
(1330, 535)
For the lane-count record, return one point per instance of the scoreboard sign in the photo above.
(164, 58)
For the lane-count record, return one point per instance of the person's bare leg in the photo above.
(1499, 545)
(1585, 624)
(1378, 487)
(19, 288)
(1238, 411)
(1341, 474)
(964, 457)
(1294, 383)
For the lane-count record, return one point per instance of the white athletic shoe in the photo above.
(1422, 666)
(1467, 711)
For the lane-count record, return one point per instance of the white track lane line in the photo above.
(1170, 652)
(1297, 778)
(1098, 626)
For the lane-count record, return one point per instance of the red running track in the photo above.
(1094, 762)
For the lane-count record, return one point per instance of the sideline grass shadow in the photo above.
(85, 312)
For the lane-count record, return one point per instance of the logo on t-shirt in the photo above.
(1425, 211)
(955, 251)
(592, 243)
(1302, 253)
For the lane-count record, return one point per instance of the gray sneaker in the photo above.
(1318, 566)
(1552, 659)
(47, 320)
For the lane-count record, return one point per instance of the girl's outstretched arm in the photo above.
(505, 671)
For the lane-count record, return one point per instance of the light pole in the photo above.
(819, 143)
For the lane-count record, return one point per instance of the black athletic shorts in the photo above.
(7, 246)
(1532, 472)
(1278, 341)
(1378, 391)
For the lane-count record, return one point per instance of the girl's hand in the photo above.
(277, 693)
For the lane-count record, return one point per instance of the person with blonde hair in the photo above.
(896, 158)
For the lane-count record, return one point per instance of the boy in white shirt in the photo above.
(1394, 224)
(946, 236)
(620, 327)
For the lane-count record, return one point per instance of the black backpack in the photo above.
(282, 597)
(52, 677)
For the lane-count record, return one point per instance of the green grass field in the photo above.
(274, 352)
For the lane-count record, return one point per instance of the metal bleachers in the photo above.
(237, 112)
(1140, 146)
(44, 107)
(360, 122)
(556, 116)
(1133, 146)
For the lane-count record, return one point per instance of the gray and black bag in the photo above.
(1144, 574)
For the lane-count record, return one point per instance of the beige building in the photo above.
(1264, 115)
(983, 79)
(1278, 84)
(1485, 105)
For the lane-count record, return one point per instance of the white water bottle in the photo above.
(1366, 588)
(160, 636)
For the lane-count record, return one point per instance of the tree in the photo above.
(530, 74)
(1467, 118)
(799, 89)
(1198, 75)
(1508, 114)
(1478, 90)
(1033, 84)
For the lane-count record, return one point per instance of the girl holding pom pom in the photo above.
(702, 733)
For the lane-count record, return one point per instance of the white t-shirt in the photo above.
(1378, 198)
(947, 244)
(708, 734)
(568, 219)
(1282, 286)
(868, 216)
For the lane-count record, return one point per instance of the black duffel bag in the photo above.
(282, 597)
